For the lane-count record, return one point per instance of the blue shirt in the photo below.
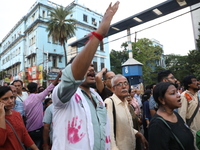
(19, 106)
(152, 103)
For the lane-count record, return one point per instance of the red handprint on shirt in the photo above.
(73, 129)
(77, 98)
(107, 139)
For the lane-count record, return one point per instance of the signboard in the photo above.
(52, 75)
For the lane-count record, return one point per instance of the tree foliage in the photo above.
(149, 55)
(193, 62)
(61, 28)
(178, 65)
(198, 40)
(117, 58)
(143, 51)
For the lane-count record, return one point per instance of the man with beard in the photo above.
(123, 135)
(190, 104)
(163, 76)
(79, 115)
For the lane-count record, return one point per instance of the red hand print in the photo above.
(107, 139)
(73, 129)
(77, 98)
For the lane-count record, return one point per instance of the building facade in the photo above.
(161, 61)
(195, 15)
(26, 52)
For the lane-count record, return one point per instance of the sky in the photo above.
(176, 35)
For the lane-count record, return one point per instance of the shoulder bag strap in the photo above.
(114, 117)
(171, 132)
(20, 98)
(189, 121)
(16, 134)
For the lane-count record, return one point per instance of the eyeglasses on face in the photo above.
(108, 78)
(120, 84)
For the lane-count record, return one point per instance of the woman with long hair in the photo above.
(14, 135)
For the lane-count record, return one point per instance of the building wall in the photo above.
(84, 27)
(161, 61)
(195, 21)
(28, 44)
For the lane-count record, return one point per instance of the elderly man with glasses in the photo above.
(123, 135)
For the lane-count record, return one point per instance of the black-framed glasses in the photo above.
(120, 84)
(108, 78)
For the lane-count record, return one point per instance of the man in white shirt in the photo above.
(20, 94)
(80, 119)
(20, 97)
(123, 135)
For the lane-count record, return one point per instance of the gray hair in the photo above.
(114, 79)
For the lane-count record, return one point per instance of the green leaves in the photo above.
(60, 27)
(143, 51)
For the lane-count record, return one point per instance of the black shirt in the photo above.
(105, 93)
(161, 138)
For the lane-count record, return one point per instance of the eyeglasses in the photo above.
(120, 84)
(172, 77)
(109, 77)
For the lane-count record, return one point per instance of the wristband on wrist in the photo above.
(97, 35)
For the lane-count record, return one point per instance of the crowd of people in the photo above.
(89, 111)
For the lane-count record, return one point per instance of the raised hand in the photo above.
(73, 131)
(105, 24)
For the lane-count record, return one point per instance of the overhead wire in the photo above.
(152, 26)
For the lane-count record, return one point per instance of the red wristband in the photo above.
(97, 35)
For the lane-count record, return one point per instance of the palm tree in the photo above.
(61, 28)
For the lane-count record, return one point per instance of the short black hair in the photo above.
(4, 90)
(32, 87)
(151, 85)
(188, 80)
(40, 87)
(17, 81)
(148, 87)
(47, 100)
(146, 95)
(163, 74)
(160, 90)
(104, 74)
